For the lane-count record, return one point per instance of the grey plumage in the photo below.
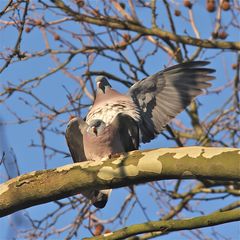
(122, 121)
(74, 139)
(162, 96)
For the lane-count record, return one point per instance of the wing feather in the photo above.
(162, 96)
(74, 139)
(128, 131)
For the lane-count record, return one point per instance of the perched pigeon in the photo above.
(119, 122)
(154, 101)
(96, 141)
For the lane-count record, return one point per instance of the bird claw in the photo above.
(115, 155)
(110, 156)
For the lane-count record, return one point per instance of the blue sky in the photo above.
(52, 90)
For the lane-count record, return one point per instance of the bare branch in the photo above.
(136, 27)
(163, 227)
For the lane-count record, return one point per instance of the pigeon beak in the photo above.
(100, 86)
(94, 130)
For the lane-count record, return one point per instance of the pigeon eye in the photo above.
(98, 123)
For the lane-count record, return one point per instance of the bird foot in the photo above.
(115, 155)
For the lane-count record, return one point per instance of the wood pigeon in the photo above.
(96, 141)
(118, 122)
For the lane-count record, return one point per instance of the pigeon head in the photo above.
(102, 84)
(96, 127)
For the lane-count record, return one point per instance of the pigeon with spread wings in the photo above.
(119, 122)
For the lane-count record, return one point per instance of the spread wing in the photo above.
(74, 139)
(162, 96)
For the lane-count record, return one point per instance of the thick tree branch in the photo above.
(172, 225)
(115, 23)
(136, 167)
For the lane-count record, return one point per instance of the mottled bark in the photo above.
(136, 167)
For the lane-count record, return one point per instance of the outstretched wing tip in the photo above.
(162, 96)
